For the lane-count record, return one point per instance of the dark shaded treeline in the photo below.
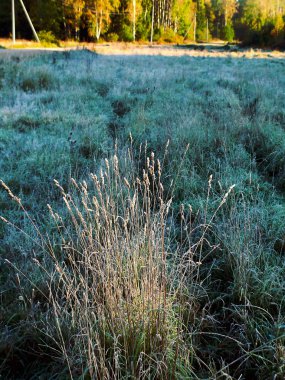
(256, 22)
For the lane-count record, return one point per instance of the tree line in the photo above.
(256, 22)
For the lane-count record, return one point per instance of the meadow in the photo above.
(142, 216)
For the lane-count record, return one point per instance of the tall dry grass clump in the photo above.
(112, 280)
(111, 299)
(123, 287)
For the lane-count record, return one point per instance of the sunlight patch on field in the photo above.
(217, 50)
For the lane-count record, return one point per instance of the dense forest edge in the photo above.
(251, 22)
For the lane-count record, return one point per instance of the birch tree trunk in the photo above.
(195, 26)
(98, 28)
(134, 20)
(152, 22)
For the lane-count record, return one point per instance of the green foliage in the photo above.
(261, 25)
(169, 35)
(201, 21)
(47, 38)
(228, 33)
(112, 37)
(126, 33)
(183, 13)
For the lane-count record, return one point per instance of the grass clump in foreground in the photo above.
(120, 289)
(123, 277)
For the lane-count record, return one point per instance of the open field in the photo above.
(169, 262)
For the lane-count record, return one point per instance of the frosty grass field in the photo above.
(159, 250)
